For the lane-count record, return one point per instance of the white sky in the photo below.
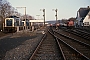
(66, 8)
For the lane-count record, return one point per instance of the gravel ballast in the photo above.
(23, 51)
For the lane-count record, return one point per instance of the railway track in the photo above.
(73, 36)
(86, 29)
(81, 48)
(47, 49)
(84, 33)
(68, 52)
(79, 33)
(53, 47)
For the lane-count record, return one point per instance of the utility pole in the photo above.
(56, 17)
(44, 16)
(25, 18)
(25, 14)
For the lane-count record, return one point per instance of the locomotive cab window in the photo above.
(17, 22)
(9, 22)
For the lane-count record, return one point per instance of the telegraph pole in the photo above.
(56, 17)
(25, 15)
(25, 18)
(43, 15)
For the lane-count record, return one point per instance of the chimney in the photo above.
(88, 6)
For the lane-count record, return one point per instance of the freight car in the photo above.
(11, 24)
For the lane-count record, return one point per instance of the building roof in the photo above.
(83, 12)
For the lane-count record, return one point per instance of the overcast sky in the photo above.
(66, 8)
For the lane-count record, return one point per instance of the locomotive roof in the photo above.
(12, 17)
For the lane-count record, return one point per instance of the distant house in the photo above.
(82, 13)
(86, 21)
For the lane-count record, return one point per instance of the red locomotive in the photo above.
(70, 23)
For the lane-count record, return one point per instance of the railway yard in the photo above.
(46, 44)
(27, 34)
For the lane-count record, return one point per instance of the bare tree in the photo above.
(7, 10)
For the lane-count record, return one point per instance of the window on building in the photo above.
(86, 23)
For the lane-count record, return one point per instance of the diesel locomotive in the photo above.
(11, 24)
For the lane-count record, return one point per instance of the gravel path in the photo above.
(19, 47)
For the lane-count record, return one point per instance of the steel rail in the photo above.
(73, 48)
(74, 39)
(37, 47)
(59, 46)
